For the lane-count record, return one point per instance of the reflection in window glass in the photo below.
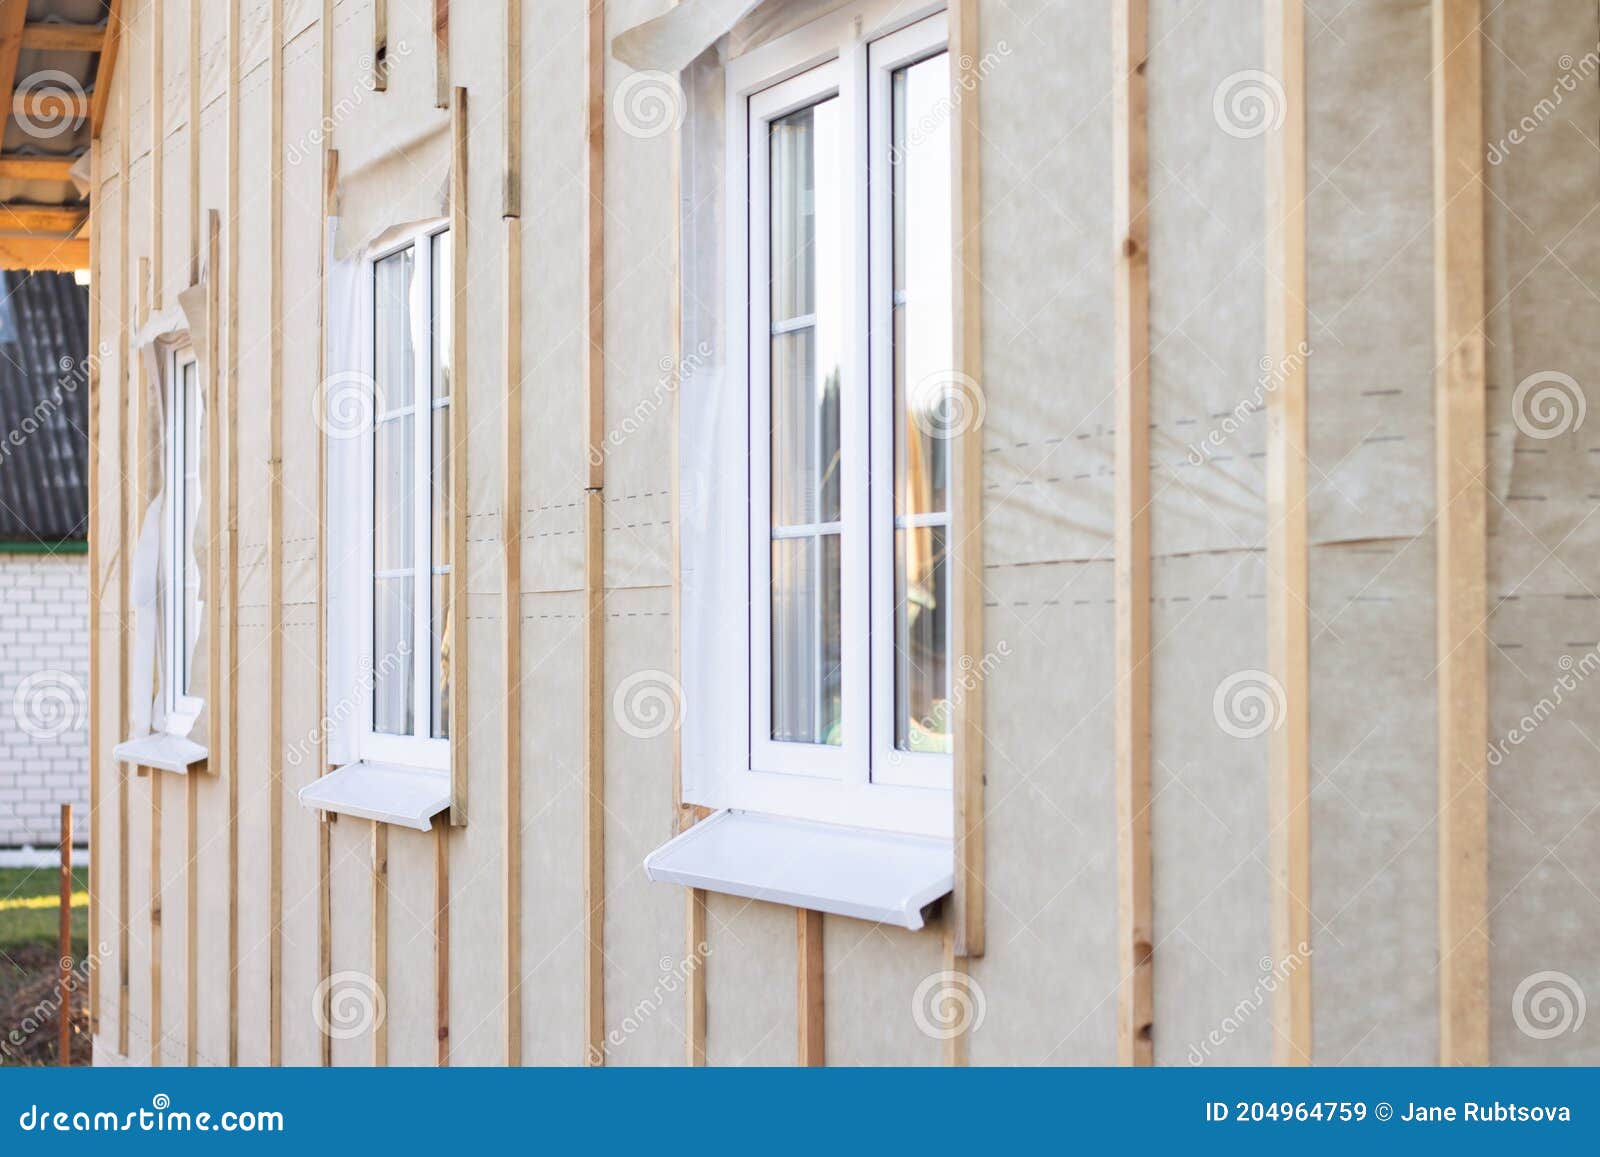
(440, 560)
(189, 604)
(806, 216)
(923, 354)
(394, 492)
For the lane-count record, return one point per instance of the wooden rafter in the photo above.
(13, 19)
(16, 167)
(58, 254)
(63, 220)
(101, 92)
(51, 104)
(56, 36)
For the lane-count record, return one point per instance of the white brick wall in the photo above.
(44, 682)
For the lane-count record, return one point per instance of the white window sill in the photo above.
(878, 876)
(407, 796)
(162, 751)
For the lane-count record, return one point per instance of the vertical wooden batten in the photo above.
(96, 730)
(1460, 394)
(1288, 592)
(441, 53)
(230, 596)
(213, 492)
(1131, 194)
(191, 877)
(330, 208)
(158, 149)
(459, 426)
(275, 534)
(966, 522)
(441, 940)
(380, 941)
(808, 1011)
(511, 526)
(143, 496)
(126, 536)
(594, 382)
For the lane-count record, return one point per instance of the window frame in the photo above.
(180, 708)
(420, 749)
(868, 782)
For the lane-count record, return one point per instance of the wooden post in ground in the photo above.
(64, 954)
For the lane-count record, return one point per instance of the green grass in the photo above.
(27, 925)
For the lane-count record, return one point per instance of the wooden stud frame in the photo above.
(213, 490)
(1288, 594)
(1130, 199)
(1462, 567)
(966, 517)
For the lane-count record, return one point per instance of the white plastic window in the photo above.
(179, 570)
(405, 488)
(839, 178)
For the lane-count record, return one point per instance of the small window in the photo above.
(405, 645)
(179, 571)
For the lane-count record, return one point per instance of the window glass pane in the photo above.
(921, 641)
(806, 660)
(438, 588)
(923, 343)
(394, 360)
(806, 218)
(925, 411)
(441, 313)
(392, 494)
(391, 656)
(190, 603)
(441, 659)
